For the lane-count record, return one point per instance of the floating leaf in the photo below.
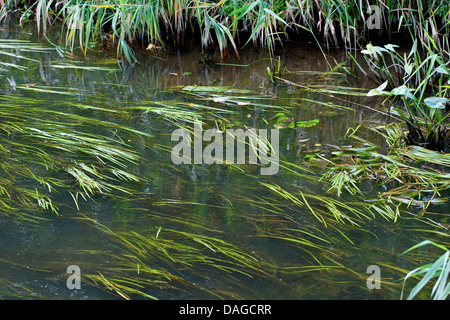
(307, 124)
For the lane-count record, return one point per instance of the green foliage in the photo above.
(416, 87)
(164, 258)
(48, 151)
(283, 120)
(408, 173)
(438, 270)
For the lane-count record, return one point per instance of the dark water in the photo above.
(212, 200)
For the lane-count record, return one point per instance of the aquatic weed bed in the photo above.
(88, 180)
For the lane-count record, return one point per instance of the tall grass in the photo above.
(416, 87)
(231, 23)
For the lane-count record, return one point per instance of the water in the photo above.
(190, 205)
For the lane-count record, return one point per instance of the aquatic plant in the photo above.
(416, 88)
(398, 170)
(29, 141)
(144, 262)
(201, 238)
(47, 151)
(438, 270)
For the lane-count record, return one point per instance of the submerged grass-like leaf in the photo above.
(147, 262)
(411, 172)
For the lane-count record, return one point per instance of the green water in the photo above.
(219, 201)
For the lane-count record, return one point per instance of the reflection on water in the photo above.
(208, 231)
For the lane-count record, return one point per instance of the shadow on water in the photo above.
(158, 230)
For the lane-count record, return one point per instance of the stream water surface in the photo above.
(193, 231)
